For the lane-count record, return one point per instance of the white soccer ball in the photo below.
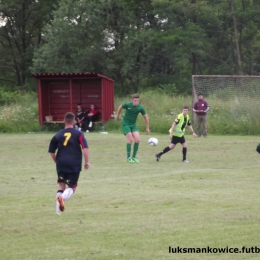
(153, 141)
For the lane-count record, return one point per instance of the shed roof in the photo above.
(70, 75)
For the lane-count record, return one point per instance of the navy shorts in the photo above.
(177, 139)
(71, 179)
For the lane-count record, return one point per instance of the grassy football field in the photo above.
(131, 211)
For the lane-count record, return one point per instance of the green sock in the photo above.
(128, 150)
(136, 145)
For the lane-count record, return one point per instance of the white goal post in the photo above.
(237, 94)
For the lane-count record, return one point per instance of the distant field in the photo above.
(131, 211)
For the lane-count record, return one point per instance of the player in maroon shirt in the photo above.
(201, 108)
(91, 116)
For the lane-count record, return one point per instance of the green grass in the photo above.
(130, 211)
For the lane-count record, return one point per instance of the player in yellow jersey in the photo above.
(129, 128)
(177, 134)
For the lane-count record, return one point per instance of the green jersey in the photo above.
(131, 112)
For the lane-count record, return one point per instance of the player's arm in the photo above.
(84, 115)
(172, 129)
(52, 148)
(146, 119)
(84, 145)
(207, 107)
(118, 112)
(191, 129)
(53, 156)
(86, 157)
(176, 122)
(195, 107)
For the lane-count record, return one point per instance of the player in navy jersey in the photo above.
(69, 143)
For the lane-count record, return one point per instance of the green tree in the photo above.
(20, 33)
(116, 38)
(147, 44)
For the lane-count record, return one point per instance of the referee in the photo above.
(177, 134)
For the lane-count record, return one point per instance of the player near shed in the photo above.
(177, 134)
(69, 144)
(80, 116)
(129, 128)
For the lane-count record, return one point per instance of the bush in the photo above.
(21, 115)
(224, 117)
(7, 97)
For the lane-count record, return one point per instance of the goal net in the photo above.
(236, 97)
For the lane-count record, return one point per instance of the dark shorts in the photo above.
(176, 139)
(129, 128)
(71, 179)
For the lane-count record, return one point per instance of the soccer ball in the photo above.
(153, 141)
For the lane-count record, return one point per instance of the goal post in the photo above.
(236, 96)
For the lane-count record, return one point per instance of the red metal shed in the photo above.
(60, 93)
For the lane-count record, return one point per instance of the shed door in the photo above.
(59, 99)
(90, 93)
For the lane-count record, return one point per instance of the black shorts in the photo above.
(71, 179)
(176, 139)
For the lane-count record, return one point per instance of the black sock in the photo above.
(184, 152)
(165, 150)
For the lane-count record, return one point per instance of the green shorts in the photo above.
(129, 128)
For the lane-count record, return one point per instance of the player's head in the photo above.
(200, 96)
(69, 118)
(135, 99)
(92, 106)
(185, 110)
(79, 106)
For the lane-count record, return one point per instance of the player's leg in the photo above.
(174, 141)
(184, 150)
(136, 137)
(198, 125)
(204, 123)
(92, 119)
(80, 125)
(129, 137)
(72, 182)
(61, 188)
(85, 124)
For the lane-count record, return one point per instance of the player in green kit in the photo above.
(129, 128)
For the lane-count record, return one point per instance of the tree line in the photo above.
(141, 44)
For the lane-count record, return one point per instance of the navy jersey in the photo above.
(80, 114)
(69, 142)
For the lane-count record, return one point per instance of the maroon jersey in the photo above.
(201, 105)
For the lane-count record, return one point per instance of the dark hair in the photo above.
(69, 118)
(135, 96)
(200, 94)
(78, 104)
(185, 107)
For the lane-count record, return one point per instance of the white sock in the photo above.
(90, 124)
(67, 193)
(59, 193)
(79, 128)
